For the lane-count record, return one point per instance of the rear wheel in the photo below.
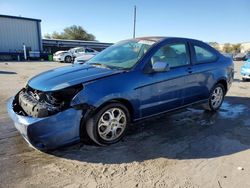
(216, 98)
(109, 124)
(67, 59)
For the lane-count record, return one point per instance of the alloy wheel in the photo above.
(217, 97)
(112, 124)
(68, 59)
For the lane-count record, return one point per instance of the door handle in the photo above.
(189, 70)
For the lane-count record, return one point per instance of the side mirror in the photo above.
(160, 66)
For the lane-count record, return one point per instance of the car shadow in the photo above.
(190, 133)
(237, 80)
(7, 72)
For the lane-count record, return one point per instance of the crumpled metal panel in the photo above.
(48, 132)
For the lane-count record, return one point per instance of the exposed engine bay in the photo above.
(35, 103)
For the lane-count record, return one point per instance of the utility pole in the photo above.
(134, 21)
(24, 52)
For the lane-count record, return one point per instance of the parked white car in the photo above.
(83, 58)
(70, 55)
(60, 56)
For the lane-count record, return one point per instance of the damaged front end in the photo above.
(35, 103)
(46, 119)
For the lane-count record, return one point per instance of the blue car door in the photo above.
(201, 78)
(163, 91)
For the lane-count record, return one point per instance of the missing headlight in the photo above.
(39, 104)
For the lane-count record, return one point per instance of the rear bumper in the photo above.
(48, 132)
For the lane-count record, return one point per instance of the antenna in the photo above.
(134, 21)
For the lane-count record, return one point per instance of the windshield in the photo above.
(122, 55)
(72, 49)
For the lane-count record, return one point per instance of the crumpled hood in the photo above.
(67, 76)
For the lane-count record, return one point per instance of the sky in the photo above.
(112, 20)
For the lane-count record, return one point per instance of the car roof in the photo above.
(152, 38)
(161, 38)
(75, 48)
(60, 51)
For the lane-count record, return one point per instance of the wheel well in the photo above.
(67, 56)
(122, 101)
(224, 83)
(83, 134)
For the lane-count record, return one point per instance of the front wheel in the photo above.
(67, 59)
(216, 98)
(109, 124)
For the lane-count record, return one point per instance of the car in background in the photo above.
(71, 54)
(127, 82)
(230, 55)
(83, 58)
(245, 70)
(247, 56)
(59, 56)
(242, 56)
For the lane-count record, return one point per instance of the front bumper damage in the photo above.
(50, 132)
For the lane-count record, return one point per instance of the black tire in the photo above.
(67, 59)
(92, 124)
(244, 79)
(210, 106)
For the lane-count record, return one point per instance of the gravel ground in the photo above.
(188, 148)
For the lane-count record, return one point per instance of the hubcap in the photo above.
(68, 59)
(112, 124)
(217, 96)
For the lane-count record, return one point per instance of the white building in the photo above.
(18, 31)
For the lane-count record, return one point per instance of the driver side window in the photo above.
(173, 54)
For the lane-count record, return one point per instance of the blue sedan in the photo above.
(245, 70)
(127, 82)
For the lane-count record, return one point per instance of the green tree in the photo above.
(232, 48)
(227, 48)
(47, 36)
(54, 35)
(72, 33)
(236, 48)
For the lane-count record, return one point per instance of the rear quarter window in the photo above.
(203, 55)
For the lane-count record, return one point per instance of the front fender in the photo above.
(96, 95)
